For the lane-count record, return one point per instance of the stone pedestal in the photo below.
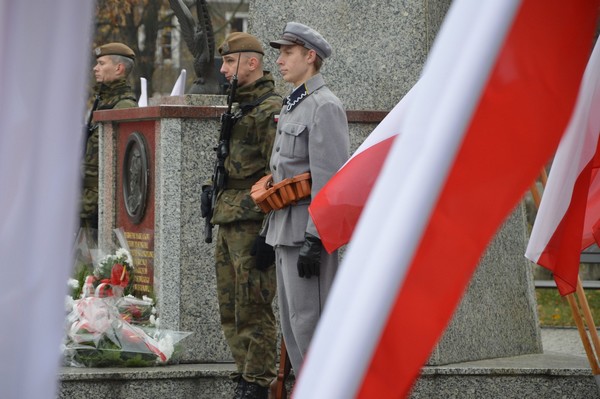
(497, 316)
(179, 139)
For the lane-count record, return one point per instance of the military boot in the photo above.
(255, 391)
(240, 389)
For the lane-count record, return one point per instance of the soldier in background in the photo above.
(114, 63)
(246, 281)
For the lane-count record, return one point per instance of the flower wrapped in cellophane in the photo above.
(106, 326)
(99, 335)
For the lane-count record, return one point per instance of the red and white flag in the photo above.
(338, 205)
(570, 205)
(44, 69)
(495, 97)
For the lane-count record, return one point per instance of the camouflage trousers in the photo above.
(88, 214)
(245, 297)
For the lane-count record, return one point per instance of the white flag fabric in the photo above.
(44, 69)
(143, 101)
(493, 101)
(179, 86)
(561, 231)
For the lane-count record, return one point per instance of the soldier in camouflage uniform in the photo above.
(114, 62)
(246, 281)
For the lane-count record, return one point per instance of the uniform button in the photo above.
(274, 167)
(279, 132)
(277, 149)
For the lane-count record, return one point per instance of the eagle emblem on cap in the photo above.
(98, 51)
(225, 47)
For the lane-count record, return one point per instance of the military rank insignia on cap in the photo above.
(240, 42)
(114, 49)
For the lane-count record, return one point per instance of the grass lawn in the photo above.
(554, 310)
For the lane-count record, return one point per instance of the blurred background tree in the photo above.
(150, 28)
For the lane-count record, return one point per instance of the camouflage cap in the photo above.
(302, 35)
(240, 42)
(114, 49)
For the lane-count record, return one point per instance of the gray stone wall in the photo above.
(379, 47)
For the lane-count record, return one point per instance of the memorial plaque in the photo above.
(135, 177)
(135, 199)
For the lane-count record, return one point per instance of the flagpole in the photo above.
(583, 335)
(585, 340)
(535, 192)
(587, 314)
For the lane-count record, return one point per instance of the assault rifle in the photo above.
(219, 176)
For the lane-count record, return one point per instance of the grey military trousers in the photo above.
(301, 300)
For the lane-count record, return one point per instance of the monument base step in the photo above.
(548, 375)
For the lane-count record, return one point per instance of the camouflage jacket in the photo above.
(113, 95)
(250, 147)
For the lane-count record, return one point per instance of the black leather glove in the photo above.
(264, 253)
(205, 201)
(309, 261)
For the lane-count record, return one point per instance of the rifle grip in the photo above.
(208, 232)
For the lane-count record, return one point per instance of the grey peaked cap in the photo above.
(302, 35)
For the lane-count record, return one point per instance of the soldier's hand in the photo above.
(205, 201)
(309, 261)
(264, 253)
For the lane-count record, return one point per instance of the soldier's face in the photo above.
(106, 70)
(295, 64)
(237, 63)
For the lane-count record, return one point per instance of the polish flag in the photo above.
(347, 191)
(570, 207)
(494, 99)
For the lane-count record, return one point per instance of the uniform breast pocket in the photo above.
(243, 132)
(294, 141)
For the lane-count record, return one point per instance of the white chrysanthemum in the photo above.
(73, 283)
(166, 346)
(147, 299)
(106, 259)
(152, 319)
(123, 253)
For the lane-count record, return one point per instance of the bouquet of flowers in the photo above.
(106, 325)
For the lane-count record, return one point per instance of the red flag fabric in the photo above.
(570, 206)
(494, 99)
(338, 205)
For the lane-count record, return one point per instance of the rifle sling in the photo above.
(247, 107)
(247, 183)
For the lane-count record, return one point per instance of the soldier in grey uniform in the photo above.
(246, 281)
(312, 136)
(114, 63)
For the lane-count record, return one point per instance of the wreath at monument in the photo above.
(106, 326)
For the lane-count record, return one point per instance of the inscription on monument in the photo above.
(141, 246)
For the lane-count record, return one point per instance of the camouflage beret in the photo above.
(302, 35)
(240, 42)
(114, 49)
